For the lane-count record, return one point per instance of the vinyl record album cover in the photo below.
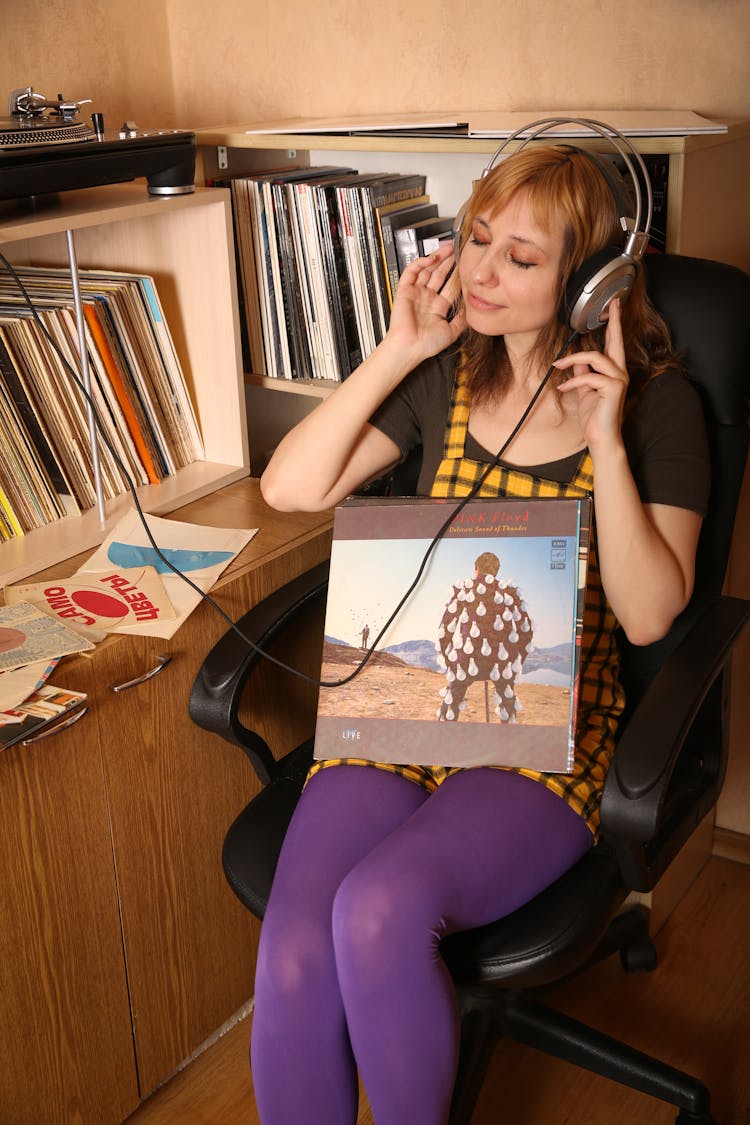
(97, 603)
(42, 708)
(481, 664)
(29, 635)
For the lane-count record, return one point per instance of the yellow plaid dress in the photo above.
(601, 699)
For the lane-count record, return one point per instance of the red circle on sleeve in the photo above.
(98, 603)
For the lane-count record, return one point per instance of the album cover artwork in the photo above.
(480, 665)
(100, 602)
(41, 708)
(28, 635)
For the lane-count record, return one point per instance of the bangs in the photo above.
(545, 185)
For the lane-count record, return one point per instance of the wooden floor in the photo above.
(693, 1012)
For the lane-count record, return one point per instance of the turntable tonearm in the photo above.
(45, 147)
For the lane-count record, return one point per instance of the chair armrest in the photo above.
(637, 793)
(218, 687)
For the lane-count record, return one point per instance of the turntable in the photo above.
(45, 147)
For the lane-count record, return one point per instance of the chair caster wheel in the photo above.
(638, 956)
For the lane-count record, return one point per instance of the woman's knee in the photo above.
(294, 958)
(379, 917)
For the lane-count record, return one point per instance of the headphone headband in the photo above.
(637, 238)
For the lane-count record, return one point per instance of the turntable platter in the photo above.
(18, 132)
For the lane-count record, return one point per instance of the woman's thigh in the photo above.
(478, 848)
(343, 812)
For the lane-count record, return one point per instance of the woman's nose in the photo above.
(486, 271)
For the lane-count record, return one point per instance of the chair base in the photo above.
(487, 1016)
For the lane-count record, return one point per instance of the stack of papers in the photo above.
(500, 123)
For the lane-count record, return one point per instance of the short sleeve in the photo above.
(417, 411)
(667, 446)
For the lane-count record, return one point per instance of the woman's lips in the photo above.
(481, 305)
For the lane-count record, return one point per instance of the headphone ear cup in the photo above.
(604, 276)
(617, 185)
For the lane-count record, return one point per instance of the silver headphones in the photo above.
(610, 273)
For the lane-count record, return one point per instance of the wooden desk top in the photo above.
(241, 505)
(238, 505)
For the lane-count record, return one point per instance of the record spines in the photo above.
(317, 295)
(147, 425)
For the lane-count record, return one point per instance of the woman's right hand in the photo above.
(424, 297)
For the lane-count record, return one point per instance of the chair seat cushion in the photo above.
(547, 938)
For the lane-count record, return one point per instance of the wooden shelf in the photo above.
(186, 243)
(42, 548)
(315, 388)
(235, 136)
(115, 917)
(90, 207)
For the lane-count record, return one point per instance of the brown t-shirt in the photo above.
(664, 435)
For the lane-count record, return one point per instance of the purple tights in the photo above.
(373, 873)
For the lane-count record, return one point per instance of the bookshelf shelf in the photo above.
(315, 388)
(236, 137)
(186, 244)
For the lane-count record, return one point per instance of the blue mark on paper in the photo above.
(130, 555)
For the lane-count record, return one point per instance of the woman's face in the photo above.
(509, 270)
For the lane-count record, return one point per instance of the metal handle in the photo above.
(161, 663)
(69, 721)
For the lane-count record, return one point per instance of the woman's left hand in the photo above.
(599, 383)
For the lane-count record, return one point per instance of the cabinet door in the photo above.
(188, 944)
(174, 790)
(66, 1050)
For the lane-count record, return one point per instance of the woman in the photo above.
(380, 863)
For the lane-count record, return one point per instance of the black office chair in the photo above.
(667, 773)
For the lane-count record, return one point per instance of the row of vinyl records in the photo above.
(138, 388)
(319, 254)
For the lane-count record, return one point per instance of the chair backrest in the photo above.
(707, 307)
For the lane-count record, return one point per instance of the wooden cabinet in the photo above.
(185, 242)
(67, 1050)
(122, 948)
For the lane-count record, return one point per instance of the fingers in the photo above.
(614, 345)
(581, 362)
(432, 270)
(424, 299)
(590, 380)
(592, 371)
